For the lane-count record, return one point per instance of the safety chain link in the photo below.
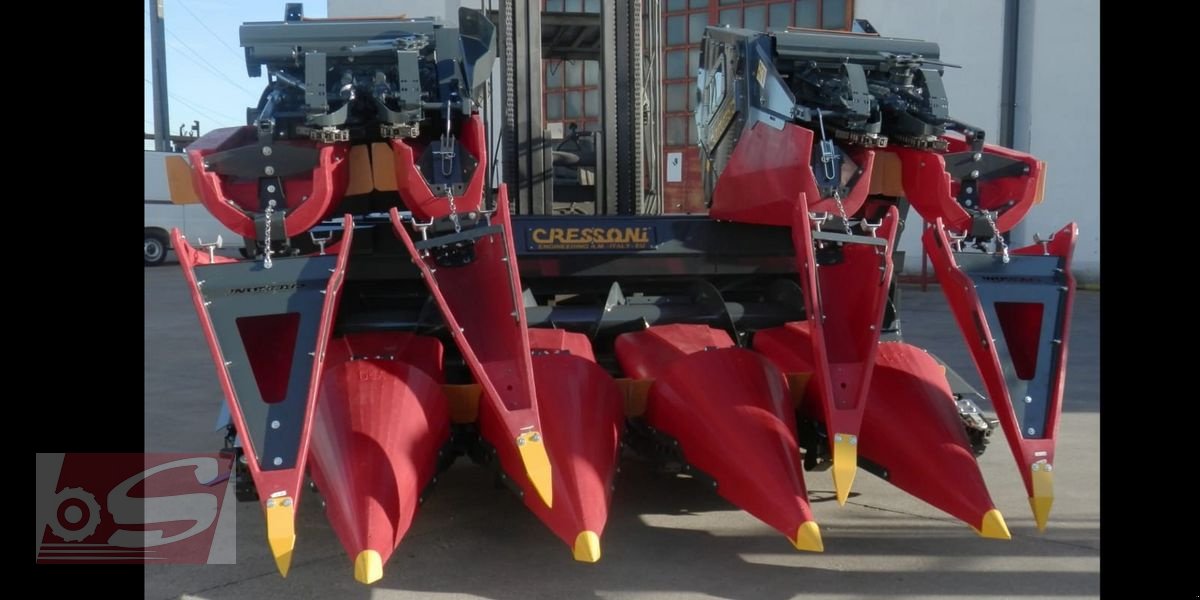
(1001, 245)
(267, 249)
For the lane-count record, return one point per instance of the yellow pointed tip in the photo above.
(537, 465)
(1043, 494)
(587, 547)
(281, 532)
(994, 526)
(845, 465)
(368, 567)
(1041, 510)
(808, 537)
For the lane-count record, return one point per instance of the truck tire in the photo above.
(155, 248)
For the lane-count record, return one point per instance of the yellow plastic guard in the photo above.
(1043, 493)
(797, 384)
(368, 567)
(808, 537)
(281, 531)
(845, 465)
(383, 165)
(361, 180)
(537, 465)
(885, 175)
(464, 402)
(993, 526)
(635, 392)
(179, 181)
(587, 547)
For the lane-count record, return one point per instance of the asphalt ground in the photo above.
(667, 537)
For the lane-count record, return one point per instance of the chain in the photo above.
(267, 250)
(842, 211)
(1000, 243)
(454, 213)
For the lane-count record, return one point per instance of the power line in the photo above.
(203, 112)
(201, 22)
(214, 70)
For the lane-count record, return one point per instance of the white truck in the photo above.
(164, 213)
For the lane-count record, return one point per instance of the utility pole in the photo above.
(158, 77)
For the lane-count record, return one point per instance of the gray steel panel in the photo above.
(245, 289)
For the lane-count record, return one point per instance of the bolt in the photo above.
(837, 438)
(278, 460)
(520, 441)
(1036, 467)
(1028, 400)
(287, 501)
(854, 440)
(1031, 431)
(970, 190)
(271, 503)
(535, 438)
(266, 150)
(974, 174)
(274, 424)
(977, 157)
(271, 189)
(969, 203)
(1049, 467)
(244, 460)
(269, 170)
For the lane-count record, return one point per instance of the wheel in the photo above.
(155, 248)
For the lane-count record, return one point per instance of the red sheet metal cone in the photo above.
(582, 412)
(380, 423)
(912, 430)
(729, 411)
(910, 426)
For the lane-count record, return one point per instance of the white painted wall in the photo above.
(1058, 119)
(1058, 107)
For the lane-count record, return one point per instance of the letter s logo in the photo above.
(201, 509)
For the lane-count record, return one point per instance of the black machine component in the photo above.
(364, 79)
(856, 88)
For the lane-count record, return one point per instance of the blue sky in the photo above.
(206, 70)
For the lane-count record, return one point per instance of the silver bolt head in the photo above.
(274, 424)
(287, 501)
(537, 437)
(978, 156)
(837, 438)
(975, 174)
(278, 461)
(520, 441)
(1037, 467)
(267, 150)
(271, 503)
(269, 170)
(1031, 431)
(1028, 400)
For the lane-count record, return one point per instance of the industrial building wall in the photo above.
(1058, 119)
(1057, 114)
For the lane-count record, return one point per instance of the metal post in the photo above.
(158, 77)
